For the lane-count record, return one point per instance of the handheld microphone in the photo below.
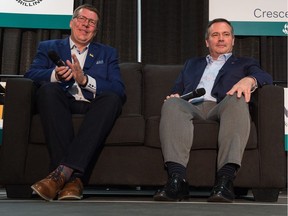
(196, 93)
(59, 62)
(55, 58)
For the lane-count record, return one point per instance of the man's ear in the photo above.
(70, 24)
(207, 44)
(95, 33)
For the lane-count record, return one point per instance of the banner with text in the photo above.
(253, 17)
(44, 14)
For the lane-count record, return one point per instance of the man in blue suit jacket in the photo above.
(87, 81)
(229, 82)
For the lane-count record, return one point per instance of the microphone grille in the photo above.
(200, 92)
(53, 56)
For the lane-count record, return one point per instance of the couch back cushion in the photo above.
(132, 77)
(158, 82)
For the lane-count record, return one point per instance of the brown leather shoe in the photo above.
(73, 190)
(49, 187)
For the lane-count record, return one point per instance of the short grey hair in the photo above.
(88, 7)
(217, 21)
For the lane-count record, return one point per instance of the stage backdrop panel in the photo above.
(257, 17)
(44, 14)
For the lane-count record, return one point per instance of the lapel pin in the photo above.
(91, 55)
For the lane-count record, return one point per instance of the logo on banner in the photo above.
(285, 29)
(29, 3)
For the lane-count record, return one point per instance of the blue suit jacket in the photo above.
(101, 64)
(232, 71)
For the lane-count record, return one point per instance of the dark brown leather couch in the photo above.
(132, 155)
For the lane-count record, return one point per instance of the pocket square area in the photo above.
(100, 62)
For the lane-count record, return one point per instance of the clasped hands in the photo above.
(71, 70)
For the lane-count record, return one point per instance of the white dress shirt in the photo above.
(75, 89)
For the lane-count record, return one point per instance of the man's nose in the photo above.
(221, 38)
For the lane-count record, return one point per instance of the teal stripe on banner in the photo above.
(260, 28)
(35, 21)
(286, 142)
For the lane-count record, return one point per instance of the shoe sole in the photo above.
(70, 197)
(217, 198)
(41, 195)
(161, 198)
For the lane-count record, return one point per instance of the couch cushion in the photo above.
(206, 134)
(128, 130)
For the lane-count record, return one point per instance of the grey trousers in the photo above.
(177, 130)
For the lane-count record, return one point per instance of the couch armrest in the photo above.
(269, 119)
(18, 108)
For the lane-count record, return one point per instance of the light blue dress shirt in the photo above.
(208, 78)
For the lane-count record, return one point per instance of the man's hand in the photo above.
(76, 71)
(243, 87)
(63, 73)
(172, 95)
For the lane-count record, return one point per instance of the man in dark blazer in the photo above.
(78, 77)
(229, 82)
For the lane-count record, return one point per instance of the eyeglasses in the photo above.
(83, 19)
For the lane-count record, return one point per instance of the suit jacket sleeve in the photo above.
(236, 69)
(262, 77)
(41, 68)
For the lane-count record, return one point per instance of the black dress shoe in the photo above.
(223, 190)
(176, 189)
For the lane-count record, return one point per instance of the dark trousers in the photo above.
(75, 150)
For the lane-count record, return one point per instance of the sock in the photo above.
(67, 171)
(77, 174)
(228, 170)
(176, 168)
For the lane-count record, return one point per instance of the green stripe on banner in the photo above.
(286, 142)
(35, 21)
(261, 28)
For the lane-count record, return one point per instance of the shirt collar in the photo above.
(223, 57)
(73, 46)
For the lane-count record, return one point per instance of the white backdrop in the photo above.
(54, 14)
(253, 17)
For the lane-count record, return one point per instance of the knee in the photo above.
(110, 99)
(47, 89)
(171, 105)
(233, 99)
(236, 103)
(49, 93)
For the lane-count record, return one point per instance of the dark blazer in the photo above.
(101, 64)
(232, 71)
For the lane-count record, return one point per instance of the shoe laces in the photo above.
(223, 183)
(56, 175)
(173, 182)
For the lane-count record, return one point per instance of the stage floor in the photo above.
(120, 202)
